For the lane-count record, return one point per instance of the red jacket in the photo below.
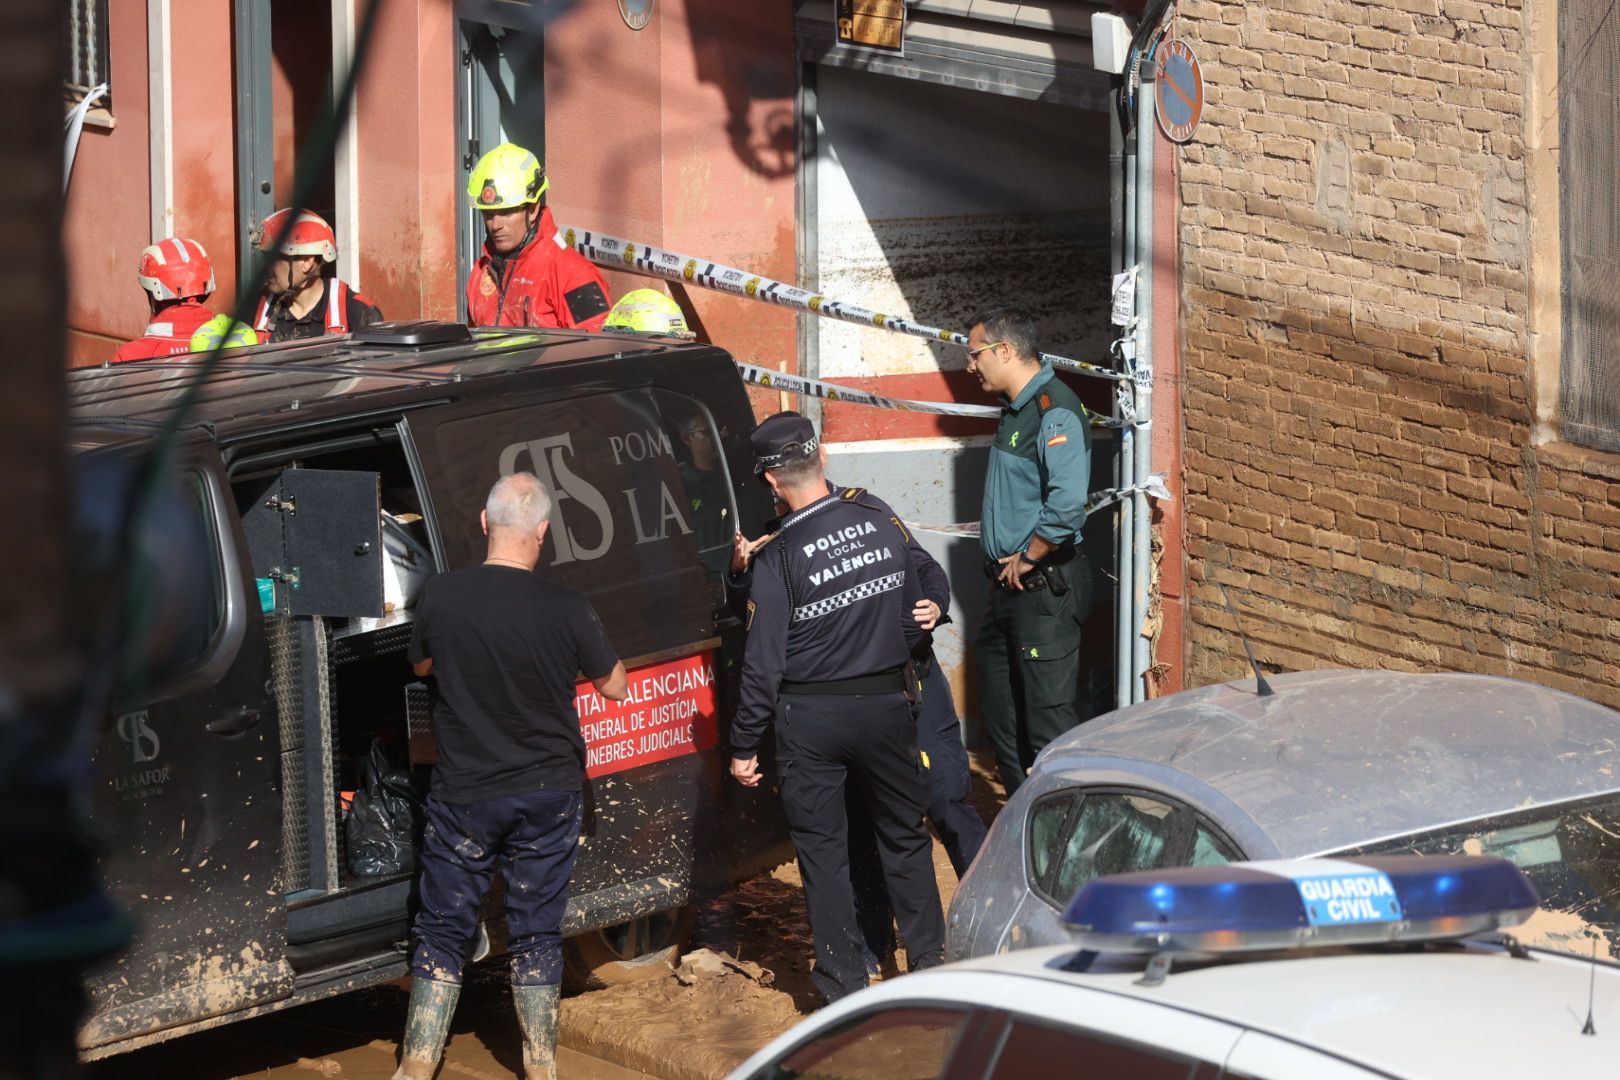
(168, 334)
(545, 284)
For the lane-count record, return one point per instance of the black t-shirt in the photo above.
(506, 649)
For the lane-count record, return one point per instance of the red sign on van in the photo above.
(671, 712)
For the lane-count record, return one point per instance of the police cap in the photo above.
(782, 440)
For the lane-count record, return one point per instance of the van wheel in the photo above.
(643, 948)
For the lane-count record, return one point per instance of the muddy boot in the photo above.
(537, 1016)
(427, 1025)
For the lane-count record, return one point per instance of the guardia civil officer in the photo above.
(503, 647)
(826, 658)
(1028, 646)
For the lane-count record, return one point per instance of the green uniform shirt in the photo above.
(1040, 469)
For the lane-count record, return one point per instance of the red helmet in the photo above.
(309, 235)
(175, 268)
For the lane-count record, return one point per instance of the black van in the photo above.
(334, 476)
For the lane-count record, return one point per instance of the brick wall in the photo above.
(1360, 388)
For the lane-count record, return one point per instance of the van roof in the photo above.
(253, 388)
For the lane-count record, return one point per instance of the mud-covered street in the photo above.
(745, 981)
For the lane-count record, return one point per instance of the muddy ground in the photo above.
(686, 1026)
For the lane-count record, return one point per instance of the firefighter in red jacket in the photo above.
(177, 277)
(303, 297)
(527, 276)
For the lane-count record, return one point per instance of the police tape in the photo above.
(800, 384)
(622, 254)
(1153, 487)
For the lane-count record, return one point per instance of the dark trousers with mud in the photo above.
(1028, 651)
(532, 839)
(824, 744)
(948, 780)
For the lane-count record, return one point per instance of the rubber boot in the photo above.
(537, 1017)
(427, 1025)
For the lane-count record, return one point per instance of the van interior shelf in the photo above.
(361, 639)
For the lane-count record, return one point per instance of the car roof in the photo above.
(1341, 758)
(1474, 1011)
(333, 375)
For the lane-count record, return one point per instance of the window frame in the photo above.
(1196, 1068)
(844, 1033)
(102, 75)
(1178, 846)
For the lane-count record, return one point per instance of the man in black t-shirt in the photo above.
(504, 648)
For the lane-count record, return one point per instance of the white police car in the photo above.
(1332, 969)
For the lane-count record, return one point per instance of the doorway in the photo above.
(284, 86)
(502, 93)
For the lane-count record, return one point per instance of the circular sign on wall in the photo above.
(1180, 98)
(637, 13)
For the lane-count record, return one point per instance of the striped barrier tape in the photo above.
(800, 384)
(1153, 487)
(622, 254)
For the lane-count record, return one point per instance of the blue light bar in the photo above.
(1242, 907)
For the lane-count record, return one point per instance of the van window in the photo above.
(642, 515)
(201, 631)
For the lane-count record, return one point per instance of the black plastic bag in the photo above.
(384, 820)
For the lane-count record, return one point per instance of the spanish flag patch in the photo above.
(1057, 440)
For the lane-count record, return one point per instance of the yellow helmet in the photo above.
(648, 311)
(505, 178)
(221, 333)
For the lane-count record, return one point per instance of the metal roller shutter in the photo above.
(1039, 51)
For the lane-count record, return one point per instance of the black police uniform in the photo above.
(826, 657)
(947, 775)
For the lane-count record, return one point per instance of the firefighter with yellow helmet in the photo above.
(527, 275)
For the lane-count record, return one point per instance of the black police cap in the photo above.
(782, 440)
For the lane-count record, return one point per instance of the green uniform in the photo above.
(1028, 646)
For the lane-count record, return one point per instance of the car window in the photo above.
(1037, 1052)
(1209, 849)
(1046, 821)
(1111, 834)
(895, 1044)
(1567, 850)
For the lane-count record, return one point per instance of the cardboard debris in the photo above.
(701, 964)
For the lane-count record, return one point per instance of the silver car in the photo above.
(1334, 762)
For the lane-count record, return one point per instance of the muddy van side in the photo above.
(334, 477)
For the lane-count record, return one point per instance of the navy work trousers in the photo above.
(825, 744)
(532, 839)
(948, 779)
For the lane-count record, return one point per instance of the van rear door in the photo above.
(187, 799)
(622, 526)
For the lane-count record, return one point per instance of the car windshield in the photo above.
(1569, 851)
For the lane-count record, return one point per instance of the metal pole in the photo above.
(1142, 561)
(1124, 652)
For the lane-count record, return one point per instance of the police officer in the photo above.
(826, 658)
(948, 775)
(1028, 646)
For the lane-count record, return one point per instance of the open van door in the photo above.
(187, 804)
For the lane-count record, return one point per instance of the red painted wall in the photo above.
(108, 220)
(1168, 521)
(108, 204)
(407, 161)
